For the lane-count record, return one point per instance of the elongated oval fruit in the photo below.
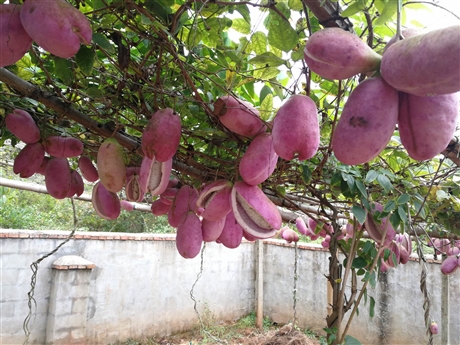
(214, 199)
(77, 187)
(290, 235)
(56, 26)
(238, 116)
(295, 129)
(42, 169)
(434, 328)
(367, 122)
(449, 265)
(212, 229)
(427, 124)
(14, 40)
(425, 65)
(255, 213)
(28, 160)
(63, 147)
(154, 175)
(232, 233)
(301, 226)
(189, 236)
(161, 136)
(375, 230)
(183, 202)
(111, 165)
(23, 126)
(87, 169)
(159, 208)
(133, 189)
(168, 195)
(333, 53)
(106, 204)
(259, 160)
(57, 177)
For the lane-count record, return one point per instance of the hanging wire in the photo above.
(32, 303)
(202, 326)
(296, 277)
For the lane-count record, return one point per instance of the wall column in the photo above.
(66, 319)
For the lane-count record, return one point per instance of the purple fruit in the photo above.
(28, 160)
(159, 208)
(214, 200)
(295, 129)
(255, 213)
(232, 233)
(57, 177)
(22, 125)
(87, 169)
(259, 160)
(367, 122)
(56, 26)
(334, 53)
(189, 236)
(106, 204)
(63, 147)
(238, 116)
(14, 40)
(161, 137)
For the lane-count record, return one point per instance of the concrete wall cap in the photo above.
(73, 262)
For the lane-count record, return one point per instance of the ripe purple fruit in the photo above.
(296, 129)
(56, 26)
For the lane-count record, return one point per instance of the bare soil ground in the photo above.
(238, 333)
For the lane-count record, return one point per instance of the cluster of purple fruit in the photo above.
(61, 181)
(451, 249)
(414, 86)
(56, 26)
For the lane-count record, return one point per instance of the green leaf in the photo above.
(359, 213)
(264, 92)
(85, 59)
(266, 107)
(359, 262)
(266, 73)
(368, 246)
(403, 199)
(281, 35)
(306, 174)
(267, 58)
(295, 5)
(361, 188)
(244, 11)
(349, 340)
(63, 70)
(259, 42)
(241, 25)
(388, 11)
(395, 220)
(372, 307)
(402, 214)
(389, 206)
(371, 176)
(353, 8)
(103, 42)
(297, 54)
(385, 182)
